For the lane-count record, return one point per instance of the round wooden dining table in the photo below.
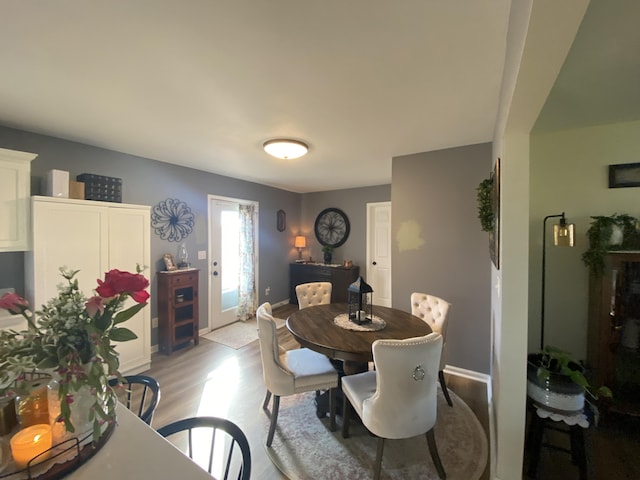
(314, 328)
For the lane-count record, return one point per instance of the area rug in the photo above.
(304, 448)
(238, 334)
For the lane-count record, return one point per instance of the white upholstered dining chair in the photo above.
(434, 311)
(290, 372)
(399, 398)
(313, 293)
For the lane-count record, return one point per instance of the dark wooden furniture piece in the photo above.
(535, 442)
(177, 308)
(340, 278)
(613, 338)
(313, 327)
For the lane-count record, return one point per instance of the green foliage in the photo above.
(554, 360)
(599, 235)
(485, 204)
(327, 249)
(71, 338)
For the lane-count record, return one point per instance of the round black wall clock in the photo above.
(332, 227)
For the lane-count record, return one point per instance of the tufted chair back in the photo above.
(278, 379)
(404, 404)
(434, 311)
(314, 293)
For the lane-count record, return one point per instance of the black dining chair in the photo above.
(140, 394)
(221, 442)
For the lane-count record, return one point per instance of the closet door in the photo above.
(129, 244)
(66, 233)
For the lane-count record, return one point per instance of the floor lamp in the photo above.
(563, 234)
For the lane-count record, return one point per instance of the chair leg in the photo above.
(444, 388)
(267, 397)
(433, 449)
(346, 414)
(274, 419)
(378, 465)
(332, 409)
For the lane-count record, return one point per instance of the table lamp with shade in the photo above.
(300, 242)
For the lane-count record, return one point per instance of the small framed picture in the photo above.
(624, 175)
(169, 262)
(281, 221)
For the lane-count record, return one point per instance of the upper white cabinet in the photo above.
(93, 237)
(15, 188)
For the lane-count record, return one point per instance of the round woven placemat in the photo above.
(376, 324)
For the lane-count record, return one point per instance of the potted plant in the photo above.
(71, 338)
(327, 250)
(606, 233)
(556, 381)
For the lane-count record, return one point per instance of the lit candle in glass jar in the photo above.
(29, 443)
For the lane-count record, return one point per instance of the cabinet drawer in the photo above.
(182, 279)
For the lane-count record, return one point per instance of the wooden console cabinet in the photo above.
(340, 278)
(177, 308)
(613, 341)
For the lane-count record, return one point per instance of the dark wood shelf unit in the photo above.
(613, 343)
(340, 278)
(177, 309)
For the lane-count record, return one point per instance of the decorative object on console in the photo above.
(285, 149)
(281, 220)
(183, 256)
(360, 300)
(624, 175)
(169, 262)
(99, 187)
(612, 233)
(72, 337)
(332, 227)
(563, 233)
(172, 220)
(300, 242)
(327, 252)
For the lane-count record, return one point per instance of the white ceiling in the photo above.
(203, 83)
(600, 80)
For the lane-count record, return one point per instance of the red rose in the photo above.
(13, 302)
(117, 282)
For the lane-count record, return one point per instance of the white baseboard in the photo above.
(470, 374)
(280, 303)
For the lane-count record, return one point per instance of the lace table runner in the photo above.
(376, 324)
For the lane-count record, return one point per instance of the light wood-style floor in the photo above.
(212, 379)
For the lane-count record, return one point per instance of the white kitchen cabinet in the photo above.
(15, 188)
(93, 237)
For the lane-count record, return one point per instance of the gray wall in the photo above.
(147, 182)
(353, 202)
(439, 247)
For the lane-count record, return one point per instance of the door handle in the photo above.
(215, 273)
(374, 263)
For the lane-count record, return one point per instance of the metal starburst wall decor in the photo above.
(172, 220)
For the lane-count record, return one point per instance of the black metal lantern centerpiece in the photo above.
(360, 297)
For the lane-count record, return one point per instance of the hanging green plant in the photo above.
(485, 204)
(602, 239)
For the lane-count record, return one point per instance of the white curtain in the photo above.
(247, 298)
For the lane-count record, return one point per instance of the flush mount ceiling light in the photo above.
(285, 149)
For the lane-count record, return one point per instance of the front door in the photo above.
(379, 251)
(224, 223)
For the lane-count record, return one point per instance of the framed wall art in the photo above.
(624, 175)
(281, 220)
(494, 233)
